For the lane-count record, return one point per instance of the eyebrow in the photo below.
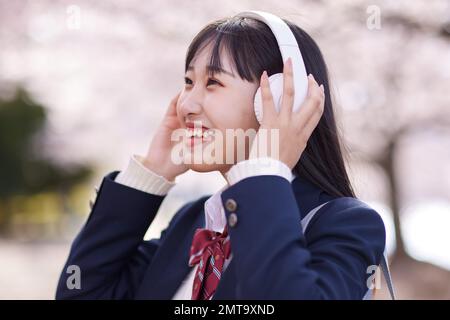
(214, 69)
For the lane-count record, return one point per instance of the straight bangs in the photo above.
(248, 43)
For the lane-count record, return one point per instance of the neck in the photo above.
(223, 172)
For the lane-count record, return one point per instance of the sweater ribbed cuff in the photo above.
(139, 177)
(257, 167)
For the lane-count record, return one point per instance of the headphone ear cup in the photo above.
(276, 87)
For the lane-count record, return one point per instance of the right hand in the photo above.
(294, 127)
(158, 158)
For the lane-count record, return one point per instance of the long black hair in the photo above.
(253, 49)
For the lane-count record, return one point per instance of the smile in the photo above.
(199, 133)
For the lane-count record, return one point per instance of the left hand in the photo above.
(295, 127)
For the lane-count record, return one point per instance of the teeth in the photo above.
(199, 133)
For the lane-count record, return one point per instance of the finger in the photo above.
(287, 100)
(314, 120)
(176, 98)
(266, 95)
(312, 101)
(172, 109)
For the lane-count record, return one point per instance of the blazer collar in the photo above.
(308, 195)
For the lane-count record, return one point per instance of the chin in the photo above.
(203, 167)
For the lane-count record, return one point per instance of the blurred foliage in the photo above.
(25, 173)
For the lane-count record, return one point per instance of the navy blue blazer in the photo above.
(272, 257)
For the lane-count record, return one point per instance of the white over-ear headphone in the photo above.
(289, 48)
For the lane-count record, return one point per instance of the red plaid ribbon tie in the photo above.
(209, 249)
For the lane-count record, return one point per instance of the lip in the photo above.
(195, 140)
(196, 125)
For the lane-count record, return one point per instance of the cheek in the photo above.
(246, 115)
(239, 112)
(248, 108)
(236, 117)
(233, 108)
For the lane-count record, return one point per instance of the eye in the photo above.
(213, 81)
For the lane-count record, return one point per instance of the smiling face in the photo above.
(217, 101)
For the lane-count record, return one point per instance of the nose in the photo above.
(190, 103)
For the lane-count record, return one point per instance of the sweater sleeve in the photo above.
(137, 176)
(257, 167)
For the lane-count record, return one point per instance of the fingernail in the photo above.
(266, 76)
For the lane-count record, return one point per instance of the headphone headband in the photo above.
(279, 28)
(289, 48)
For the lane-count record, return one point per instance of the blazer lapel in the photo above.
(226, 289)
(169, 266)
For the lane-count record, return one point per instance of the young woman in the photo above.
(246, 241)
